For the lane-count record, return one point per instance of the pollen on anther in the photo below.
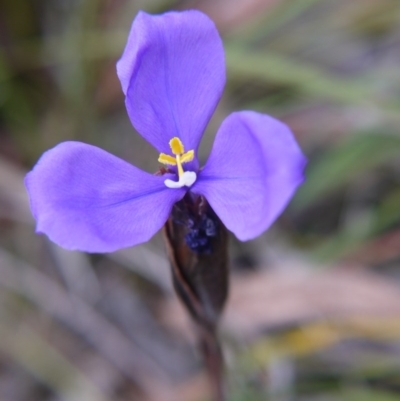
(187, 157)
(176, 146)
(167, 159)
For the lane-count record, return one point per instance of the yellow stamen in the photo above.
(167, 159)
(178, 150)
(187, 157)
(176, 146)
(179, 165)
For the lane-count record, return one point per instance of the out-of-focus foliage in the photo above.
(314, 312)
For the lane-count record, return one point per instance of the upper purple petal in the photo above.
(172, 72)
(86, 199)
(253, 170)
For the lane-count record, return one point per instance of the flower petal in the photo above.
(87, 199)
(172, 72)
(254, 169)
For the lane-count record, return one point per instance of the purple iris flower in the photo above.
(172, 73)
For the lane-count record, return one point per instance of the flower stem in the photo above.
(213, 359)
(197, 248)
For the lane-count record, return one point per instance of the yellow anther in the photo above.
(176, 146)
(187, 157)
(167, 159)
(180, 156)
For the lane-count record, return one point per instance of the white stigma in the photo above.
(188, 178)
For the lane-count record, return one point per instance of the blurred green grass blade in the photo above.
(285, 13)
(388, 212)
(308, 78)
(350, 238)
(272, 20)
(4, 68)
(367, 394)
(344, 242)
(339, 166)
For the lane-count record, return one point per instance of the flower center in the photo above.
(186, 178)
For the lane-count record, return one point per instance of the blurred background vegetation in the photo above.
(314, 311)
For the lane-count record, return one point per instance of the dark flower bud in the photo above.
(197, 247)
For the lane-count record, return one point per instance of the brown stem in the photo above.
(213, 359)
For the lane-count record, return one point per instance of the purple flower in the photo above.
(172, 73)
